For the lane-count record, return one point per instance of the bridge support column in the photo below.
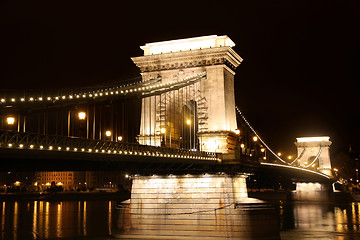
(315, 153)
(208, 103)
(308, 191)
(209, 206)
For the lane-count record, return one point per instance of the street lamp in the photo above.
(188, 122)
(279, 154)
(82, 115)
(119, 138)
(108, 133)
(255, 138)
(237, 131)
(163, 131)
(10, 120)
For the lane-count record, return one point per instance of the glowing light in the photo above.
(119, 138)
(188, 122)
(290, 157)
(313, 139)
(279, 154)
(212, 145)
(31, 146)
(10, 120)
(10, 144)
(21, 145)
(242, 145)
(162, 130)
(82, 115)
(108, 133)
(237, 131)
(59, 148)
(50, 148)
(263, 150)
(255, 138)
(187, 44)
(41, 146)
(17, 183)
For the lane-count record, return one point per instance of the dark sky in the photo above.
(298, 78)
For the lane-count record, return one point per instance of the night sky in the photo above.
(298, 78)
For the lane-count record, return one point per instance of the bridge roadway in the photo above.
(29, 151)
(34, 152)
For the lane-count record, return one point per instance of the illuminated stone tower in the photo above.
(315, 153)
(208, 106)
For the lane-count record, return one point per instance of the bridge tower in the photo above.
(199, 115)
(314, 153)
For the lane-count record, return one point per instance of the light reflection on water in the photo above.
(98, 220)
(56, 220)
(320, 221)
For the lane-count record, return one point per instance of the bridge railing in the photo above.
(20, 140)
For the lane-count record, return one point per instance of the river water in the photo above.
(97, 220)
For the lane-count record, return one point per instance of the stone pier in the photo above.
(308, 191)
(208, 206)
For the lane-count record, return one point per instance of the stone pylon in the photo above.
(200, 115)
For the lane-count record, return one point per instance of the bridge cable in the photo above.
(253, 130)
(316, 158)
(300, 155)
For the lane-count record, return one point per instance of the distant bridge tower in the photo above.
(200, 115)
(314, 153)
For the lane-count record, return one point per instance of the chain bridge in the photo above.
(176, 131)
(181, 112)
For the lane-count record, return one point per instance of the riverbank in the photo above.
(61, 196)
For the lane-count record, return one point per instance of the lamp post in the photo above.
(188, 122)
(83, 116)
(108, 133)
(163, 131)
